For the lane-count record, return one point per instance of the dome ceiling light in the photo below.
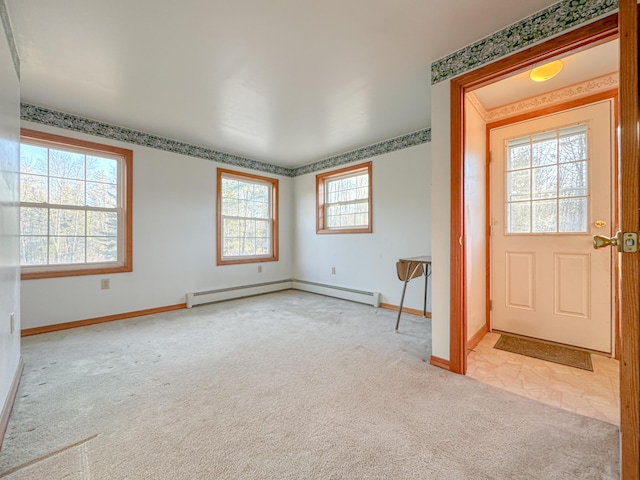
(546, 71)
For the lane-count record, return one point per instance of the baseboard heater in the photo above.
(211, 296)
(369, 298)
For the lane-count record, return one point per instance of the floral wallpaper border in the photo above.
(53, 118)
(552, 20)
(398, 143)
(8, 31)
(45, 116)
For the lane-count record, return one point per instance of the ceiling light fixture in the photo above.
(546, 71)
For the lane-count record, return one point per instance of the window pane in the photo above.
(263, 246)
(518, 218)
(230, 207)
(34, 160)
(248, 246)
(518, 185)
(66, 222)
(573, 215)
(102, 249)
(262, 229)
(33, 250)
(573, 144)
(66, 192)
(33, 188)
(231, 227)
(66, 164)
(544, 149)
(64, 250)
(573, 179)
(518, 154)
(33, 221)
(231, 247)
(102, 169)
(545, 182)
(229, 188)
(104, 195)
(102, 224)
(544, 216)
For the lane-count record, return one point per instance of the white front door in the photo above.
(550, 193)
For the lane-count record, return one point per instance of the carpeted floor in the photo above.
(282, 386)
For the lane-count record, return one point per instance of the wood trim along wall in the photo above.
(93, 321)
(598, 32)
(439, 362)
(410, 311)
(477, 338)
(629, 222)
(11, 397)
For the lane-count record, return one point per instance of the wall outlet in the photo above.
(259, 268)
(12, 321)
(333, 270)
(105, 284)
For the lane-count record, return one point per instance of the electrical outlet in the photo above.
(333, 270)
(105, 284)
(259, 268)
(12, 321)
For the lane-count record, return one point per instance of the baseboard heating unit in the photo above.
(219, 295)
(211, 296)
(369, 298)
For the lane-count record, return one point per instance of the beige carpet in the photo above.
(283, 386)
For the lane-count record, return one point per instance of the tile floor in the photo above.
(594, 394)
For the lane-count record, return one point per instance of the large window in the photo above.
(75, 207)
(247, 222)
(344, 200)
(547, 182)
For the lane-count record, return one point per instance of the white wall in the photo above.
(401, 228)
(440, 220)
(174, 244)
(9, 254)
(475, 228)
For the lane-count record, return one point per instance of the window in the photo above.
(547, 182)
(75, 207)
(247, 222)
(344, 200)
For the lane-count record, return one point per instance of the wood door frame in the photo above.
(597, 32)
(590, 35)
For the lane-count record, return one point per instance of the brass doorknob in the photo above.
(599, 223)
(600, 241)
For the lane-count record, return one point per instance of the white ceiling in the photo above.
(282, 81)
(579, 67)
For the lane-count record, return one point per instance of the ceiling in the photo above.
(287, 82)
(578, 67)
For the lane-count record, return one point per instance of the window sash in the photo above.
(96, 238)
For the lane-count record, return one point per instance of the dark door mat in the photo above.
(545, 351)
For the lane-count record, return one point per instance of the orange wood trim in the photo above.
(410, 311)
(630, 263)
(593, 34)
(477, 338)
(321, 178)
(27, 332)
(458, 336)
(559, 107)
(439, 362)
(11, 397)
(616, 223)
(127, 178)
(274, 218)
